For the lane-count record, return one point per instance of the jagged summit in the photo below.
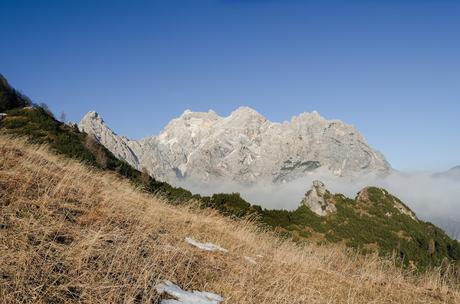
(91, 115)
(93, 124)
(244, 147)
(245, 111)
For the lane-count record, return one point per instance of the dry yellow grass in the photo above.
(72, 234)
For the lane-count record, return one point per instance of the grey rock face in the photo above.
(316, 200)
(94, 125)
(244, 147)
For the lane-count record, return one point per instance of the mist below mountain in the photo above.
(432, 197)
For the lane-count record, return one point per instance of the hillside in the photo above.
(374, 221)
(72, 234)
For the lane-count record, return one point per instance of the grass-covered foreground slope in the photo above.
(371, 222)
(73, 234)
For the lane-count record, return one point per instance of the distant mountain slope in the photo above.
(244, 147)
(103, 134)
(452, 173)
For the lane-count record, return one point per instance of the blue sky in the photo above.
(390, 68)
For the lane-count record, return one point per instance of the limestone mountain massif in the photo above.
(243, 147)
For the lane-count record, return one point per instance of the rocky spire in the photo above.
(316, 199)
(93, 124)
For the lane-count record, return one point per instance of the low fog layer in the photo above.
(433, 198)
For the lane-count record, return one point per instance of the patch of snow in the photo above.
(205, 246)
(186, 297)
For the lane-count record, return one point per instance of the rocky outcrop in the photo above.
(317, 199)
(94, 125)
(244, 147)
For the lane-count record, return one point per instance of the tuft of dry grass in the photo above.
(73, 234)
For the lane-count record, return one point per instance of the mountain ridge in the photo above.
(244, 147)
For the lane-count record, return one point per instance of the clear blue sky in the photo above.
(391, 68)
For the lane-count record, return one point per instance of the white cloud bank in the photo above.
(432, 198)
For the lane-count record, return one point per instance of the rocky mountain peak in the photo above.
(245, 111)
(319, 187)
(317, 199)
(243, 117)
(92, 115)
(93, 124)
(188, 114)
(309, 116)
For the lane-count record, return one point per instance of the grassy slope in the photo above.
(70, 233)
